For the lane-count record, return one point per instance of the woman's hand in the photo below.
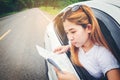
(65, 75)
(62, 49)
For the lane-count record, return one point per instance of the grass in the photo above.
(51, 10)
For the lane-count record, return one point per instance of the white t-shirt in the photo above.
(97, 61)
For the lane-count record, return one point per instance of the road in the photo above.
(19, 33)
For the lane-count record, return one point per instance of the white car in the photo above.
(108, 15)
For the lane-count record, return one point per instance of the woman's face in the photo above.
(76, 34)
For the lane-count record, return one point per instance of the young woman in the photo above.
(87, 45)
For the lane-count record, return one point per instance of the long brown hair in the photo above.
(84, 15)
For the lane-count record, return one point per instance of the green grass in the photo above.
(51, 10)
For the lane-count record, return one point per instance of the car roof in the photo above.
(112, 2)
(110, 7)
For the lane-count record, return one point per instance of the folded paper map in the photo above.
(61, 60)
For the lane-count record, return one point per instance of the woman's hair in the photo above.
(82, 16)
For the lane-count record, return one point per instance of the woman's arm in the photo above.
(113, 74)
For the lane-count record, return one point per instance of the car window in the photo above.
(59, 30)
(110, 29)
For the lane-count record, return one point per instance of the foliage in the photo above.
(51, 10)
(7, 6)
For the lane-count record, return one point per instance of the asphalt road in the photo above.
(19, 33)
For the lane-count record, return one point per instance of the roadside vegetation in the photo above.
(51, 10)
(8, 7)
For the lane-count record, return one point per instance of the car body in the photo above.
(107, 13)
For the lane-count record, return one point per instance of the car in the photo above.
(107, 13)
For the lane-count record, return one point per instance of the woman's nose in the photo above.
(70, 37)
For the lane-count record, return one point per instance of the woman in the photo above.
(87, 45)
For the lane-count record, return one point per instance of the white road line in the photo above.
(45, 16)
(5, 34)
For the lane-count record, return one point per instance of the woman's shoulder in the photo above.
(102, 52)
(106, 59)
(98, 50)
(102, 49)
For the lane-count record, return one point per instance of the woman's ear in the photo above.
(89, 28)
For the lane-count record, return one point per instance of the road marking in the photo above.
(45, 16)
(5, 34)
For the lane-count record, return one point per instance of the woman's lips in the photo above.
(73, 43)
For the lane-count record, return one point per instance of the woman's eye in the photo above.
(73, 31)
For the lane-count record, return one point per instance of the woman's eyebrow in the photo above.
(69, 29)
